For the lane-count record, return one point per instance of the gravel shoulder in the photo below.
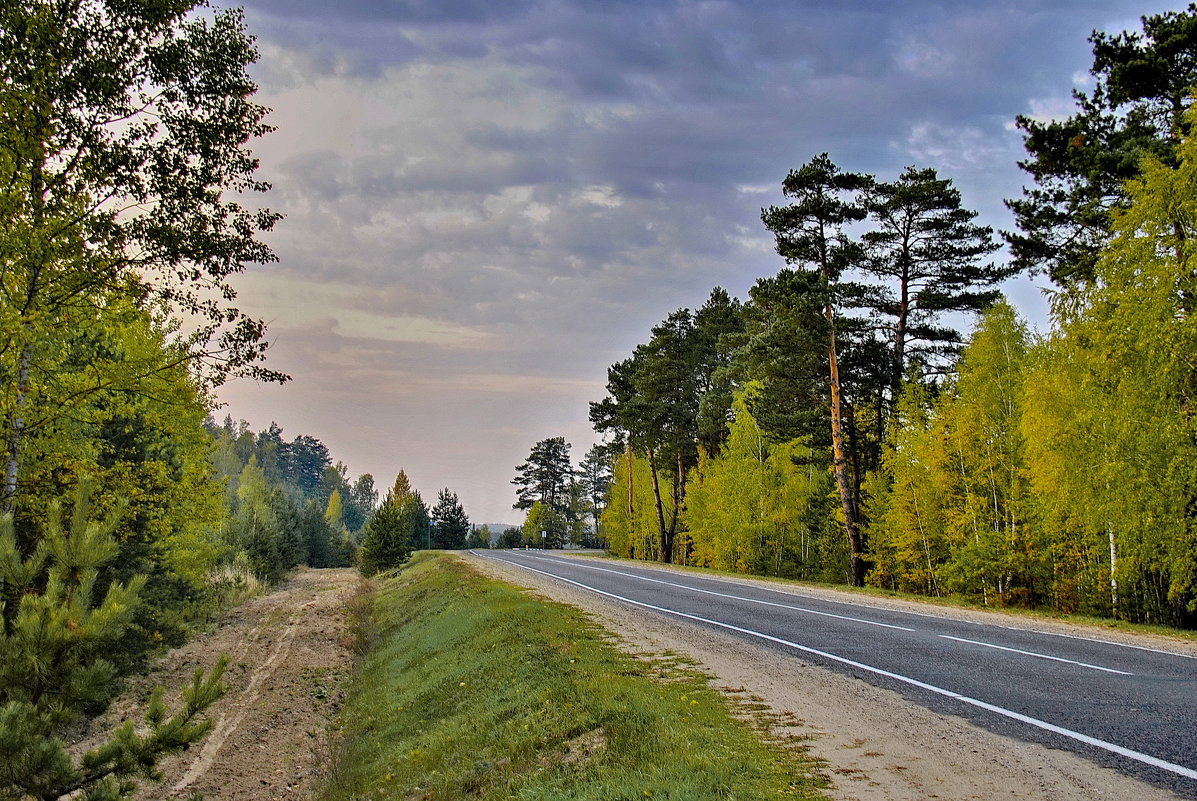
(290, 660)
(876, 745)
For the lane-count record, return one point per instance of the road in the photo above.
(1126, 706)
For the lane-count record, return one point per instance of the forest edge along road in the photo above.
(878, 744)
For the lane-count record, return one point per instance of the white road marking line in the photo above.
(1113, 748)
(788, 591)
(1039, 655)
(1105, 642)
(738, 597)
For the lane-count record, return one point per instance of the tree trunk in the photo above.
(840, 461)
(665, 539)
(679, 500)
(900, 337)
(16, 433)
(1113, 569)
(631, 504)
(16, 430)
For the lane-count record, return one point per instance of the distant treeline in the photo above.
(287, 503)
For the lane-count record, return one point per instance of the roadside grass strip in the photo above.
(477, 691)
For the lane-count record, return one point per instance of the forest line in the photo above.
(836, 425)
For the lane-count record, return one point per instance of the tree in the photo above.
(1124, 465)
(512, 537)
(398, 527)
(926, 248)
(450, 524)
(303, 463)
(760, 507)
(978, 468)
(402, 488)
(545, 476)
(363, 497)
(51, 670)
(810, 232)
(1143, 84)
(718, 333)
(545, 527)
(784, 353)
(122, 125)
(479, 537)
(324, 547)
(256, 527)
(653, 404)
(334, 510)
(594, 478)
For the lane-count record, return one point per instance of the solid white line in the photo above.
(787, 591)
(1033, 653)
(736, 597)
(1138, 756)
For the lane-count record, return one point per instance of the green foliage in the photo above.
(310, 501)
(761, 508)
(1121, 362)
(1142, 85)
(629, 520)
(142, 443)
(960, 517)
(594, 479)
(492, 695)
(51, 671)
(512, 537)
(654, 403)
(398, 527)
(122, 125)
(810, 232)
(926, 250)
(479, 537)
(450, 523)
(545, 476)
(545, 527)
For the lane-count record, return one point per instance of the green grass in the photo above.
(475, 690)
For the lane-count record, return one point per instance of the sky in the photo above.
(488, 202)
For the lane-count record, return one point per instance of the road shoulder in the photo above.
(876, 745)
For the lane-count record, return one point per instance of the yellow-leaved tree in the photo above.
(1122, 463)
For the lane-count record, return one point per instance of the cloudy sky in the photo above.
(490, 201)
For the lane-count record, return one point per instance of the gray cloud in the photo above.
(489, 202)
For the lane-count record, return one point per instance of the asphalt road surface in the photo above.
(1131, 707)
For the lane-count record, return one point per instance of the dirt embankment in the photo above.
(290, 659)
(877, 746)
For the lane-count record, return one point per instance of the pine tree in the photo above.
(594, 476)
(927, 250)
(50, 671)
(450, 523)
(1143, 82)
(396, 528)
(545, 475)
(810, 233)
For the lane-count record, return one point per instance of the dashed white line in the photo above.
(1036, 654)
